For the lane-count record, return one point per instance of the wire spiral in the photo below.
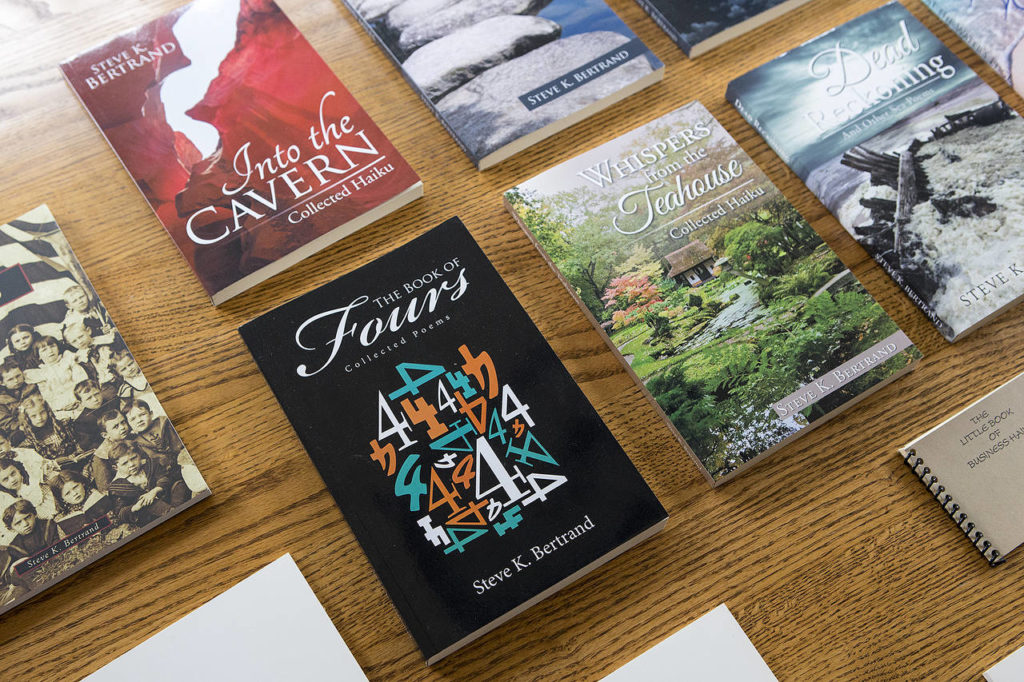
(938, 491)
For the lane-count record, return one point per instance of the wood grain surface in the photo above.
(830, 554)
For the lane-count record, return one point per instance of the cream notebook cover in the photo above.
(973, 465)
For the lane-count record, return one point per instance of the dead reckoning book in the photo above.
(698, 26)
(973, 464)
(502, 75)
(731, 313)
(88, 458)
(914, 154)
(248, 148)
(993, 28)
(468, 464)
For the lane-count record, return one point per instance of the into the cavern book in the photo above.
(247, 147)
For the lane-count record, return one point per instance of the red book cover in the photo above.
(247, 146)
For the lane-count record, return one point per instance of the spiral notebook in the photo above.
(973, 464)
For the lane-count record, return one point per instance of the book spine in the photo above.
(416, 88)
(666, 26)
(952, 508)
(756, 124)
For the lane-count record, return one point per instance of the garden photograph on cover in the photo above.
(721, 312)
(88, 457)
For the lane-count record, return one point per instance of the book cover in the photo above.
(467, 462)
(502, 75)
(248, 148)
(993, 28)
(972, 464)
(88, 457)
(731, 313)
(912, 152)
(270, 626)
(699, 26)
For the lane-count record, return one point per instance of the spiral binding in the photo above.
(938, 491)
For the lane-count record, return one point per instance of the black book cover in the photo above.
(473, 471)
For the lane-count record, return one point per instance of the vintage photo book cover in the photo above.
(913, 153)
(699, 26)
(248, 148)
(732, 314)
(503, 75)
(993, 28)
(467, 462)
(973, 465)
(89, 459)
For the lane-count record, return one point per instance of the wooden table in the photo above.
(832, 557)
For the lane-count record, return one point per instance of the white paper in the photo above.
(1010, 669)
(268, 627)
(713, 647)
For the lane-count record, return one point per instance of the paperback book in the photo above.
(914, 154)
(736, 319)
(468, 464)
(972, 464)
(247, 147)
(503, 75)
(993, 28)
(88, 457)
(699, 26)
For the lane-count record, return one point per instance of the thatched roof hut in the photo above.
(689, 257)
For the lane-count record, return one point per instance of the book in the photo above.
(993, 28)
(737, 321)
(88, 457)
(269, 626)
(713, 647)
(972, 465)
(911, 151)
(699, 26)
(467, 462)
(1010, 669)
(248, 148)
(502, 75)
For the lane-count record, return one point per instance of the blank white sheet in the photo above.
(268, 627)
(713, 647)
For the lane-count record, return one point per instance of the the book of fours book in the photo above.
(88, 457)
(973, 464)
(699, 26)
(468, 464)
(732, 314)
(248, 148)
(993, 28)
(502, 75)
(914, 154)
